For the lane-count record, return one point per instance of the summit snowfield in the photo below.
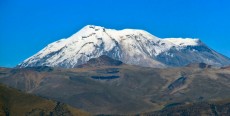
(131, 46)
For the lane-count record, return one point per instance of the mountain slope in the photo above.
(130, 46)
(16, 103)
(122, 89)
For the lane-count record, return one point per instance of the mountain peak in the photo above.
(126, 31)
(131, 46)
(93, 26)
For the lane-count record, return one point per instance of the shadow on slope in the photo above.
(17, 103)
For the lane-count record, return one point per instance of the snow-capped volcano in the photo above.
(130, 46)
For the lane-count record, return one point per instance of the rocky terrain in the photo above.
(217, 108)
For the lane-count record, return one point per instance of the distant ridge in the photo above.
(199, 65)
(101, 61)
(227, 67)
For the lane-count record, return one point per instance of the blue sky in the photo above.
(26, 26)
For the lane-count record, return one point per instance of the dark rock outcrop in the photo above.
(177, 83)
(101, 61)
